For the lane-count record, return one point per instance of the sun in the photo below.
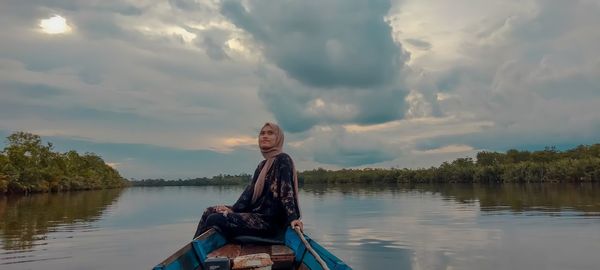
(55, 25)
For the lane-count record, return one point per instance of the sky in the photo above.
(180, 88)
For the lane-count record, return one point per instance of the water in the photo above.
(370, 227)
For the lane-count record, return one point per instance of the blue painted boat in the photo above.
(211, 251)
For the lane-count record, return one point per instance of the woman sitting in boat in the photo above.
(269, 203)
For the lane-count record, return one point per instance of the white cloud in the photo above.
(520, 65)
(455, 148)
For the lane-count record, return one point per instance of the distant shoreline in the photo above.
(27, 166)
(578, 165)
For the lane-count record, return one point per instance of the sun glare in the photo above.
(55, 25)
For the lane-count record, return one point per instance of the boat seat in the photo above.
(281, 256)
(255, 240)
(277, 239)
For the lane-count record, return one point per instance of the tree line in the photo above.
(220, 179)
(27, 166)
(580, 164)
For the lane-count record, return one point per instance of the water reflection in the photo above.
(25, 221)
(458, 226)
(548, 197)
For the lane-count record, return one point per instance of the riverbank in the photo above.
(578, 165)
(28, 166)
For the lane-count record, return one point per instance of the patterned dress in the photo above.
(270, 214)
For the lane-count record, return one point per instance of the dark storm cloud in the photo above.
(380, 106)
(326, 43)
(339, 61)
(299, 107)
(288, 103)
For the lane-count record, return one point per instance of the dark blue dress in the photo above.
(270, 214)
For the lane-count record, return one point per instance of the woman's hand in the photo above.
(222, 209)
(297, 223)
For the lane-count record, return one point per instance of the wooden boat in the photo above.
(211, 251)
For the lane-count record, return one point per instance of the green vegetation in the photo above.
(26, 166)
(581, 164)
(241, 179)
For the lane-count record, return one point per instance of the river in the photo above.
(547, 226)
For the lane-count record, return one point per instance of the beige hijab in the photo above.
(269, 155)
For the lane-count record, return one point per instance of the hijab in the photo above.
(269, 155)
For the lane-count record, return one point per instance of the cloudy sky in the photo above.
(180, 88)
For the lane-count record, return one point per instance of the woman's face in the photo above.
(266, 138)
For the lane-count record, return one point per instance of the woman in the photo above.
(269, 203)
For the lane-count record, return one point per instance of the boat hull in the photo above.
(194, 255)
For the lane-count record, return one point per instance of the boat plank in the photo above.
(282, 256)
(229, 250)
(253, 249)
(281, 250)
